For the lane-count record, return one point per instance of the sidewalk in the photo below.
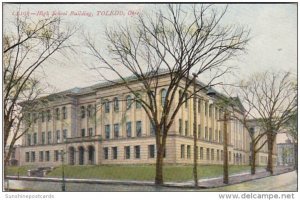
(203, 183)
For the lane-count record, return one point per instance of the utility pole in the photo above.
(195, 134)
(225, 147)
(212, 93)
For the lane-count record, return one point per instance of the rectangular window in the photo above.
(35, 138)
(32, 156)
(82, 111)
(151, 151)
(207, 154)
(199, 105)
(47, 155)
(28, 139)
(49, 116)
(180, 126)
(27, 158)
(186, 128)
(58, 136)
(128, 102)
(222, 155)
(107, 131)
(138, 104)
(220, 137)
(83, 132)
(127, 152)
(128, 129)
(56, 154)
(210, 111)
(91, 132)
(201, 153)
(106, 106)
(229, 156)
(43, 137)
(188, 151)
(137, 152)
(57, 114)
(105, 153)
(43, 116)
(212, 154)
(64, 111)
(206, 108)
(199, 131)
(116, 104)
(34, 117)
(65, 133)
(138, 128)
(41, 156)
(89, 110)
(182, 151)
(116, 130)
(210, 134)
(186, 100)
(114, 153)
(206, 133)
(152, 129)
(49, 138)
(218, 155)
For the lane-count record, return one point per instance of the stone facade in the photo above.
(102, 125)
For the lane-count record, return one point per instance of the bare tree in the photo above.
(244, 113)
(172, 42)
(292, 130)
(27, 45)
(271, 97)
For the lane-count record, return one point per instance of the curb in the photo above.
(136, 183)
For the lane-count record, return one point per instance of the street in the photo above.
(283, 182)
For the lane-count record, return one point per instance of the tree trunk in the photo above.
(253, 162)
(159, 166)
(270, 154)
(296, 156)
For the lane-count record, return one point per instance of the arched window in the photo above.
(116, 104)
(128, 101)
(163, 94)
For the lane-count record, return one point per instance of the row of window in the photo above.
(208, 133)
(116, 129)
(127, 152)
(46, 115)
(32, 139)
(88, 110)
(129, 102)
(44, 156)
(185, 152)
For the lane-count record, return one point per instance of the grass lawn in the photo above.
(13, 170)
(144, 172)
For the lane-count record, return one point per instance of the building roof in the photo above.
(76, 91)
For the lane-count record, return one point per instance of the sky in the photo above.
(272, 45)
